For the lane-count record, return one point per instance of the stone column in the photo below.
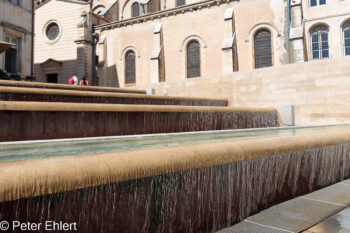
(84, 43)
(296, 33)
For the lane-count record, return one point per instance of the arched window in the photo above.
(180, 2)
(135, 9)
(130, 71)
(193, 59)
(346, 35)
(262, 49)
(319, 42)
(98, 9)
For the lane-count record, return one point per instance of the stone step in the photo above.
(51, 95)
(69, 87)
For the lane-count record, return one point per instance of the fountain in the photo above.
(180, 182)
(52, 95)
(68, 87)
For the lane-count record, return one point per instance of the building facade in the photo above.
(16, 27)
(64, 41)
(253, 52)
(191, 39)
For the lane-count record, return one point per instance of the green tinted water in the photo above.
(51, 148)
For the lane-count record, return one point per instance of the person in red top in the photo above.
(83, 82)
(73, 80)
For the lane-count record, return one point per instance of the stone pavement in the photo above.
(301, 213)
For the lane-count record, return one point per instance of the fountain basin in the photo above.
(38, 120)
(68, 87)
(52, 95)
(186, 188)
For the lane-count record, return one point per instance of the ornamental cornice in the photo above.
(162, 14)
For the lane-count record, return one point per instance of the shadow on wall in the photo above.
(54, 71)
(112, 76)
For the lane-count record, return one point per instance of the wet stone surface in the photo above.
(304, 214)
(339, 223)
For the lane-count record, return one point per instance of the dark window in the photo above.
(130, 68)
(193, 59)
(135, 9)
(262, 49)
(52, 78)
(180, 2)
(52, 31)
(14, 2)
(319, 42)
(313, 3)
(317, 2)
(346, 32)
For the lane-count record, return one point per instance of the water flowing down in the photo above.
(200, 187)
(38, 120)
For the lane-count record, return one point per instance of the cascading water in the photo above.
(196, 200)
(194, 187)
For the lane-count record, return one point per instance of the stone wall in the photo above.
(16, 23)
(211, 23)
(68, 49)
(319, 90)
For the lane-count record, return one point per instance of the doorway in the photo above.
(52, 78)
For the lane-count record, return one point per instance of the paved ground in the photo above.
(339, 223)
(299, 214)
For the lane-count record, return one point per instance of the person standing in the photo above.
(83, 82)
(73, 80)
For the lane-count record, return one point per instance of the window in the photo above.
(319, 42)
(193, 59)
(98, 9)
(317, 2)
(130, 74)
(52, 31)
(180, 2)
(14, 2)
(12, 55)
(346, 33)
(262, 49)
(135, 9)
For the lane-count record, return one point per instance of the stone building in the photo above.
(240, 50)
(177, 40)
(64, 42)
(16, 27)
(191, 39)
(253, 52)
